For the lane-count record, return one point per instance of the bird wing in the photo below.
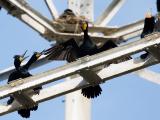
(68, 50)
(60, 52)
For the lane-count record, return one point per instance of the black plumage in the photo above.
(158, 5)
(149, 27)
(22, 72)
(70, 51)
(149, 24)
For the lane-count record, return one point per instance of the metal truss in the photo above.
(80, 70)
(86, 63)
(46, 28)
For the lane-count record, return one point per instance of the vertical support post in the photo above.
(82, 8)
(87, 9)
(52, 9)
(77, 107)
(74, 5)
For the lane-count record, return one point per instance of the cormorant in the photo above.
(158, 6)
(70, 51)
(69, 17)
(22, 72)
(149, 24)
(157, 23)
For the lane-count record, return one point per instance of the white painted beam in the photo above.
(114, 70)
(77, 107)
(43, 26)
(122, 32)
(83, 63)
(74, 5)
(149, 75)
(109, 12)
(128, 29)
(87, 9)
(52, 8)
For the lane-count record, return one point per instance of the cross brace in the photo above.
(63, 88)
(87, 62)
(46, 28)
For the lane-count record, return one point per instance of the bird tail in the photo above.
(25, 113)
(34, 108)
(92, 91)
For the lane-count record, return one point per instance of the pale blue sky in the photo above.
(125, 98)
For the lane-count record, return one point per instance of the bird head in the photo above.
(148, 15)
(37, 55)
(18, 59)
(84, 25)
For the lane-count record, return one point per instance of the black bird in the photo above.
(157, 22)
(149, 24)
(70, 51)
(22, 72)
(158, 6)
(69, 17)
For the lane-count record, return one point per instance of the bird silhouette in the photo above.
(70, 51)
(22, 72)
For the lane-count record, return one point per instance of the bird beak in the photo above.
(22, 58)
(84, 26)
(24, 53)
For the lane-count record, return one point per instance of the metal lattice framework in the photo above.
(76, 71)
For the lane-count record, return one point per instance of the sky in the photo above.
(125, 98)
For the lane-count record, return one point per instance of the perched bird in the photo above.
(70, 51)
(158, 6)
(157, 22)
(69, 17)
(22, 72)
(149, 24)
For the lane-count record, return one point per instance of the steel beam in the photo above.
(77, 107)
(109, 12)
(45, 27)
(83, 63)
(149, 75)
(52, 9)
(41, 24)
(114, 70)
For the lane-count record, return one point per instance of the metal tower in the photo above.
(74, 72)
